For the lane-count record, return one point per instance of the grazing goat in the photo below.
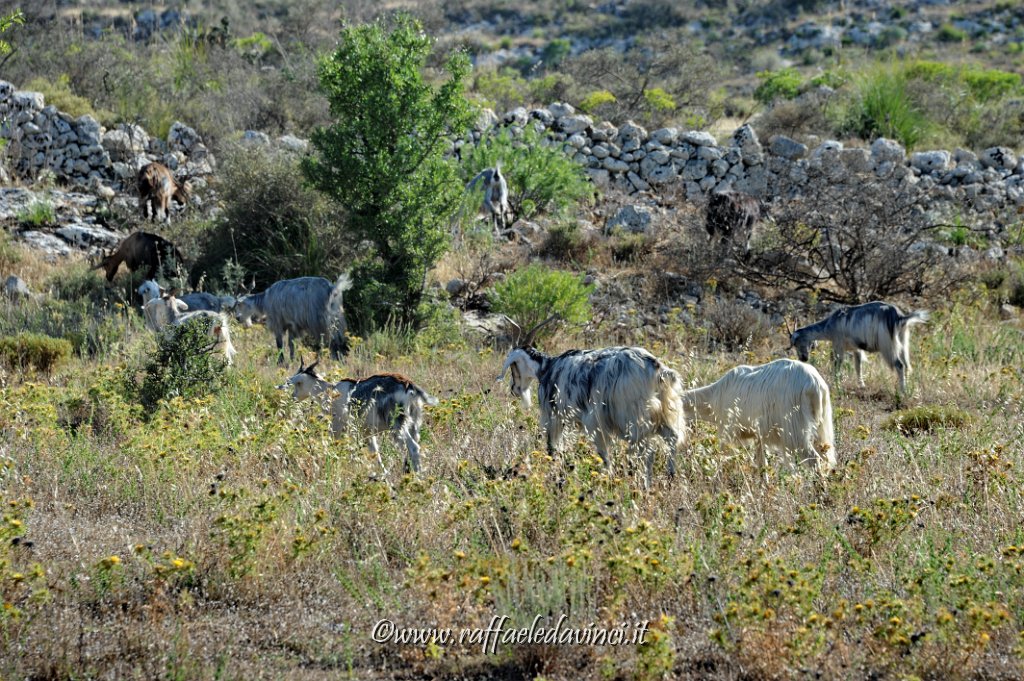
(622, 392)
(871, 327)
(308, 306)
(732, 216)
(157, 188)
(197, 300)
(783, 404)
(170, 311)
(139, 250)
(495, 191)
(381, 403)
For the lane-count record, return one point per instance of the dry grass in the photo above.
(251, 545)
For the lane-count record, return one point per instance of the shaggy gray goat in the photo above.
(623, 392)
(871, 327)
(310, 307)
(381, 403)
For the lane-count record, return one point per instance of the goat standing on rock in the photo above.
(381, 403)
(611, 392)
(157, 188)
(871, 327)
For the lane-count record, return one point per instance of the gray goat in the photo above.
(495, 189)
(871, 327)
(623, 392)
(310, 307)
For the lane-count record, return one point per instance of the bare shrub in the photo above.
(735, 325)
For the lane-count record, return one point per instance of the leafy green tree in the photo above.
(6, 21)
(383, 160)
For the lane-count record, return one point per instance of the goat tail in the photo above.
(335, 314)
(670, 389)
(915, 317)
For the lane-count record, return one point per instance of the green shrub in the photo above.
(658, 100)
(534, 293)
(38, 214)
(926, 418)
(500, 90)
(782, 84)
(59, 94)
(184, 365)
(555, 52)
(595, 100)
(882, 107)
(33, 350)
(272, 225)
(541, 177)
(948, 33)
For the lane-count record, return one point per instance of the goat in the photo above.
(197, 300)
(783, 404)
(732, 216)
(157, 188)
(139, 250)
(871, 327)
(307, 306)
(168, 311)
(622, 392)
(381, 403)
(495, 191)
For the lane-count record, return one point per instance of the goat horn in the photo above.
(528, 342)
(302, 364)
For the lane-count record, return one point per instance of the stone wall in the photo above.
(631, 159)
(81, 152)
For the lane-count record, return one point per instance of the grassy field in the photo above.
(229, 537)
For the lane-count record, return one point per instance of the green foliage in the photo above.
(889, 36)
(831, 78)
(58, 92)
(33, 350)
(541, 177)
(659, 100)
(555, 52)
(948, 33)
(882, 107)
(383, 161)
(926, 418)
(184, 365)
(501, 90)
(532, 294)
(272, 225)
(256, 48)
(595, 100)
(38, 214)
(7, 21)
(782, 84)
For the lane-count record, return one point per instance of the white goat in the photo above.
(382, 403)
(307, 306)
(167, 310)
(495, 190)
(871, 327)
(623, 392)
(783, 404)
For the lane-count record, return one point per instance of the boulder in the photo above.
(633, 218)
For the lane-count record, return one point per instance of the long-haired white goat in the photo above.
(167, 310)
(619, 392)
(871, 327)
(784, 404)
(311, 307)
(381, 403)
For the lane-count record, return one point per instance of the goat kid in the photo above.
(784, 405)
(165, 311)
(618, 392)
(872, 327)
(381, 403)
(197, 300)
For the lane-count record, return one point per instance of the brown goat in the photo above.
(732, 216)
(139, 250)
(157, 187)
